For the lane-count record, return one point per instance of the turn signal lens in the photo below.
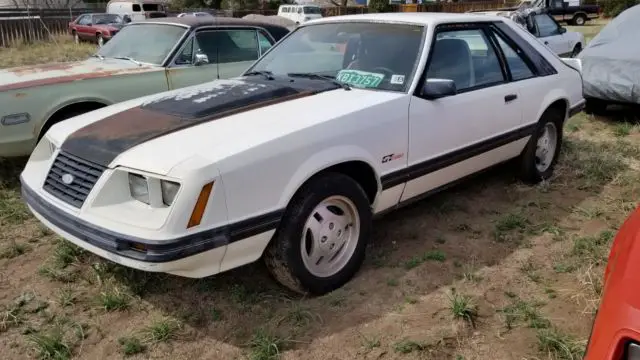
(201, 205)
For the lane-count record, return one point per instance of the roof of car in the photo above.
(425, 18)
(198, 21)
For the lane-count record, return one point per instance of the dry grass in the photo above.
(62, 49)
(492, 269)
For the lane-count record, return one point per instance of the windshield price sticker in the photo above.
(359, 78)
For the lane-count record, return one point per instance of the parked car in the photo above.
(291, 160)
(611, 64)
(201, 13)
(616, 330)
(300, 13)
(146, 57)
(98, 28)
(137, 10)
(543, 26)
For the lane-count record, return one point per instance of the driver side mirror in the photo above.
(201, 59)
(438, 88)
(562, 30)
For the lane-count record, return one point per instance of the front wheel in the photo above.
(321, 241)
(541, 153)
(99, 40)
(76, 38)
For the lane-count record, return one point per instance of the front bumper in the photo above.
(196, 255)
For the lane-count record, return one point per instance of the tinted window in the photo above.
(135, 7)
(466, 57)
(518, 67)
(84, 20)
(546, 25)
(227, 46)
(265, 44)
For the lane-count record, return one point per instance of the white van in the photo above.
(137, 9)
(300, 13)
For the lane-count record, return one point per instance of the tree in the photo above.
(615, 7)
(379, 6)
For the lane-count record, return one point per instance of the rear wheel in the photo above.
(541, 153)
(321, 241)
(579, 20)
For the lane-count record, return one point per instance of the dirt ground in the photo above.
(491, 269)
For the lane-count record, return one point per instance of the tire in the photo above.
(290, 262)
(595, 107)
(76, 38)
(57, 119)
(99, 40)
(579, 20)
(576, 50)
(536, 164)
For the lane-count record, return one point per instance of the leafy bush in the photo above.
(379, 6)
(615, 7)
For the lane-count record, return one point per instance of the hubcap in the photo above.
(330, 236)
(546, 147)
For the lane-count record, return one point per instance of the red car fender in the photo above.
(618, 317)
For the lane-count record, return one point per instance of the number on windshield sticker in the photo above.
(360, 78)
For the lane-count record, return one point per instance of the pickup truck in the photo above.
(572, 12)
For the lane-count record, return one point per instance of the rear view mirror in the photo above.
(562, 30)
(438, 88)
(201, 59)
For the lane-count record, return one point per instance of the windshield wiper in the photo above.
(320, 77)
(128, 58)
(98, 56)
(267, 74)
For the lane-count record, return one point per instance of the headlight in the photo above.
(152, 191)
(139, 188)
(169, 190)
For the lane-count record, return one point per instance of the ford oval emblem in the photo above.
(67, 179)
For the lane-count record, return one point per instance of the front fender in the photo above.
(67, 102)
(321, 161)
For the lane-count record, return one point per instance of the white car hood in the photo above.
(263, 111)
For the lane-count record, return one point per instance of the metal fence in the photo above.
(18, 26)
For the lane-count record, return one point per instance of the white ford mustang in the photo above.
(345, 118)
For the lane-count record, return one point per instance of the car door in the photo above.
(454, 136)
(83, 27)
(551, 34)
(216, 53)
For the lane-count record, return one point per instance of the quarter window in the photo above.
(228, 46)
(84, 20)
(466, 57)
(546, 25)
(265, 44)
(518, 67)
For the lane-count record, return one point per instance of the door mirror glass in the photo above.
(201, 59)
(438, 88)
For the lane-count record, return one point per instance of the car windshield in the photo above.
(146, 43)
(107, 19)
(379, 56)
(311, 10)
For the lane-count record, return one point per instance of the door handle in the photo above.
(510, 98)
(546, 43)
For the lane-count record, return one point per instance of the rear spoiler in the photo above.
(573, 63)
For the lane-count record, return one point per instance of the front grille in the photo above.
(84, 176)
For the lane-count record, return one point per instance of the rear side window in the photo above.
(519, 68)
(539, 64)
(228, 46)
(136, 7)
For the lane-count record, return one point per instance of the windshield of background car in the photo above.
(381, 56)
(107, 19)
(147, 43)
